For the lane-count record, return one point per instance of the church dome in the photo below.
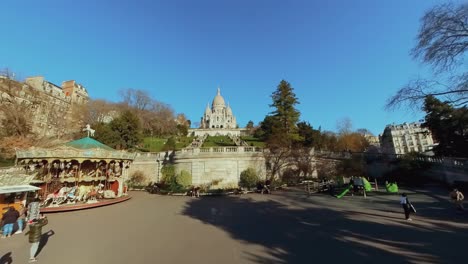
(229, 110)
(218, 100)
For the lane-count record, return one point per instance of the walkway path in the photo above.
(286, 227)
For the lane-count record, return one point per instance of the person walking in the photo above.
(9, 220)
(457, 198)
(35, 233)
(407, 206)
(33, 210)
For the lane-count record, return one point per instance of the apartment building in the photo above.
(405, 138)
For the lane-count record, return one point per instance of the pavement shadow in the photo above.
(295, 234)
(44, 240)
(6, 259)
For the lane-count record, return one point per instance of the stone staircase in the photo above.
(238, 141)
(198, 142)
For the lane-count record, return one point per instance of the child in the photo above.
(405, 203)
(457, 197)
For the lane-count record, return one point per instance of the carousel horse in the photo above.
(72, 195)
(100, 190)
(109, 194)
(83, 191)
(58, 197)
(90, 193)
(89, 130)
(92, 196)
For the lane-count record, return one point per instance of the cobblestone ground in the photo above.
(285, 227)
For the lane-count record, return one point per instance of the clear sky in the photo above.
(343, 58)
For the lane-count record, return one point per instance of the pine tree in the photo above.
(285, 115)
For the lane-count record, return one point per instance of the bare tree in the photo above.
(442, 43)
(455, 91)
(443, 36)
(162, 121)
(18, 102)
(137, 99)
(344, 126)
(326, 169)
(303, 158)
(99, 111)
(277, 157)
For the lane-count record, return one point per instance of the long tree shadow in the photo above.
(294, 234)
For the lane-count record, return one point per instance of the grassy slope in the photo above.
(218, 141)
(253, 141)
(157, 144)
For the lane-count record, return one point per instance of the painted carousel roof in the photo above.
(81, 149)
(88, 143)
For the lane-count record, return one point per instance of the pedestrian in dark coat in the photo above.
(9, 220)
(35, 233)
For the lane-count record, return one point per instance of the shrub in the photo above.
(290, 176)
(168, 173)
(184, 179)
(248, 178)
(169, 179)
(137, 179)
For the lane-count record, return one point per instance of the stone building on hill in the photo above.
(219, 116)
(47, 108)
(217, 120)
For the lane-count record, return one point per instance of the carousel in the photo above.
(76, 175)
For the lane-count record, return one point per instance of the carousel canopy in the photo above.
(88, 143)
(80, 150)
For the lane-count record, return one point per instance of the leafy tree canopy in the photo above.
(449, 127)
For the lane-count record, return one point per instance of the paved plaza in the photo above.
(285, 227)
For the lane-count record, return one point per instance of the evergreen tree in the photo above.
(127, 127)
(310, 136)
(105, 134)
(280, 130)
(170, 144)
(285, 116)
(449, 127)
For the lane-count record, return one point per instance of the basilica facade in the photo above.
(217, 120)
(219, 116)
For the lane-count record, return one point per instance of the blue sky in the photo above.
(343, 58)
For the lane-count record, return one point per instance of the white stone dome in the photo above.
(218, 100)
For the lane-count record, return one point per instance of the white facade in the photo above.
(406, 138)
(219, 116)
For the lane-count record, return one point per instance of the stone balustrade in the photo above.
(220, 150)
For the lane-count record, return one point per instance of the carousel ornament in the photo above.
(89, 130)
